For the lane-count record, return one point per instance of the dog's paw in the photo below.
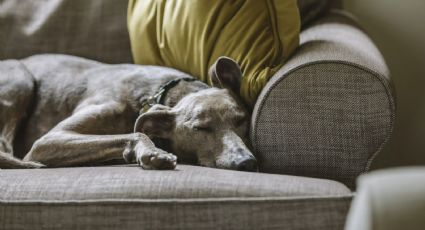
(157, 159)
(4, 146)
(129, 155)
(33, 165)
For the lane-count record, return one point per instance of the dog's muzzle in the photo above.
(248, 164)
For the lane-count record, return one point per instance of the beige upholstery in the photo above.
(91, 29)
(389, 199)
(330, 109)
(191, 197)
(325, 114)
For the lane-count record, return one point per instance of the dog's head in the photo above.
(210, 125)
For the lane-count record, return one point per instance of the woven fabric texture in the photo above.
(190, 197)
(389, 199)
(133, 183)
(329, 110)
(91, 29)
(327, 213)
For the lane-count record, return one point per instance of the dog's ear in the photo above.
(158, 122)
(226, 73)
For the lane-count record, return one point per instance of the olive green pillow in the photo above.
(190, 35)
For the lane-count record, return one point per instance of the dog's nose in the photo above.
(248, 164)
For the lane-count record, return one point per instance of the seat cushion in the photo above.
(135, 183)
(191, 197)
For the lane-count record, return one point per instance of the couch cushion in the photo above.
(91, 29)
(190, 197)
(134, 183)
(190, 35)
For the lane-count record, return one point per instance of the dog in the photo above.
(61, 111)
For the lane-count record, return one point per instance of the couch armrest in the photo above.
(330, 109)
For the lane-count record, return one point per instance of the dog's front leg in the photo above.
(81, 139)
(148, 156)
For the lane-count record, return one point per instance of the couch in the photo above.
(316, 126)
(389, 199)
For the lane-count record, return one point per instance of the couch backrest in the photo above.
(91, 29)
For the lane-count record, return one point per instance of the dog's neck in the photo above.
(182, 89)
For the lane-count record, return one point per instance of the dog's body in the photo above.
(76, 112)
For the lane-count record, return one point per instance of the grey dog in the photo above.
(71, 111)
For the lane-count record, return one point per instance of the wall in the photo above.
(398, 29)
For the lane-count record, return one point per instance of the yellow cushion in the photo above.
(190, 35)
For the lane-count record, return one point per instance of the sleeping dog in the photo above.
(58, 111)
